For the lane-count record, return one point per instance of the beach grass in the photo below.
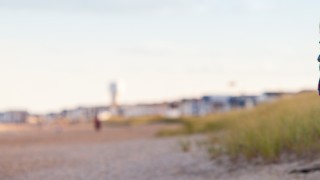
(288, 127)
(142, 120)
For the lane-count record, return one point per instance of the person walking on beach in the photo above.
(97, 123)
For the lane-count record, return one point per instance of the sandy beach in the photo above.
(116, 153)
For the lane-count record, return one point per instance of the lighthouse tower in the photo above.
(113, 88)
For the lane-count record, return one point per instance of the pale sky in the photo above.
(57, 54)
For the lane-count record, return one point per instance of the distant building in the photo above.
(271, 96)
(173, 110)
(13, 117)
(185, 107)
(214, 104)
(80, 114)
(243, 102)
(144, 110)
(190, 107)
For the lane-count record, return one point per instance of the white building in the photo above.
(190, 107)
(81, 114)
(144, 110)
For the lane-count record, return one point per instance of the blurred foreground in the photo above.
(117, 153)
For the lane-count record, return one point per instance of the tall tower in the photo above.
(113, 88)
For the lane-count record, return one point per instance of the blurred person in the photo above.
(97, 123)
(319, 79)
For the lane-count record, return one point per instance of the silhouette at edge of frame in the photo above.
(319, 79)
(97, 123)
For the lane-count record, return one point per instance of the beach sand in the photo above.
(116, 153)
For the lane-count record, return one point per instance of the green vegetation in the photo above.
(185, 145)
(192, 125)
(289, 127)
(122, 121)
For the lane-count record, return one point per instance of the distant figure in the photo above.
(319, 79)
(97, 123)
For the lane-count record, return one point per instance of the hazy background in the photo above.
(63, 53)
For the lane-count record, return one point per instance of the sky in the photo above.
(57, 54)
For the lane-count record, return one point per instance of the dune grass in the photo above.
(142, 120)
(192, 125)
(289, 127)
